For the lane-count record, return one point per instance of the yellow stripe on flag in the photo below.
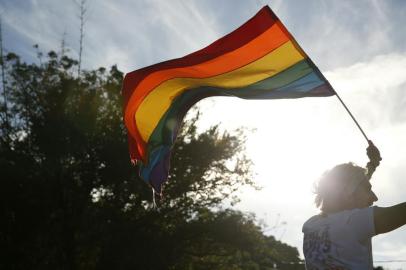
(157, 102)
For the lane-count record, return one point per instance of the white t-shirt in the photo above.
(340, 240)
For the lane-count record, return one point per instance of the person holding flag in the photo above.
(340, 236)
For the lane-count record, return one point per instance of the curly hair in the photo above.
(341, 179)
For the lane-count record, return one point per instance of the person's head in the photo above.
(346, 186)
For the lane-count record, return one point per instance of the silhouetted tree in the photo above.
(71, 200)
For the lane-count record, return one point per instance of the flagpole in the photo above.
(345, 106)
(335, 92)
(352, 116)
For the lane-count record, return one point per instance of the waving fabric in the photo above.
(259, 60)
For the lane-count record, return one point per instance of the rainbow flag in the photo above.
(259, 60)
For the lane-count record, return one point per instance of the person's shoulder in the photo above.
(347, 216)
(360, 214)
(312, 222)
(339, 219)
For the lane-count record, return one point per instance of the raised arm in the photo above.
(387, 219)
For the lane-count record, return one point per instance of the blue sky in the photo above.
(360, 46)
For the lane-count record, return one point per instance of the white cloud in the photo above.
(374, 89)
(339, 33)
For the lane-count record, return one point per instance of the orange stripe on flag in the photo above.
(268, 41)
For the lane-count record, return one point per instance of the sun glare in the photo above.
(293, 142)
(281, 165)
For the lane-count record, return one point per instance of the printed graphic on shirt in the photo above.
(317, 250)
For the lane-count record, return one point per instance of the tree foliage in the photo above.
(70, 198)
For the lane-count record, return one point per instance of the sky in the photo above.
(360, 47)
